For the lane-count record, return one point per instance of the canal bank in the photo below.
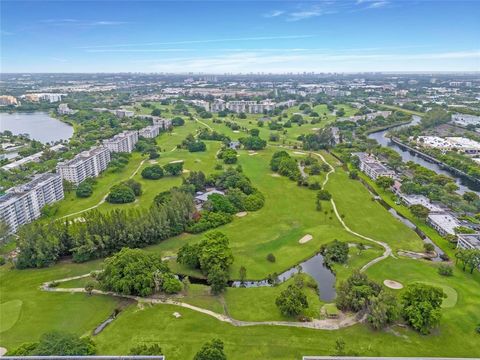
(464, 184)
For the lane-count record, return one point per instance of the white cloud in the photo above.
(77, 22)
(205, 41)
(274, 13)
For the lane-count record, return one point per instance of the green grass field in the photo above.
(26, 312)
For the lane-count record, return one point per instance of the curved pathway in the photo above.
(326, 324)
(388, 250)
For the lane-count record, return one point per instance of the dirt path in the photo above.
(325, 324)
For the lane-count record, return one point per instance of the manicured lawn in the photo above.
(9, 313)
(43, 311)
(366, 216)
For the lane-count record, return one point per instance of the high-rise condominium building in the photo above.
(123, 142)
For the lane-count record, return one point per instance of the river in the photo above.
(463, 183)
(39, 125)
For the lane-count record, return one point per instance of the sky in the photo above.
(239, 36)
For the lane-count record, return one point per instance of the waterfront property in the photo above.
(87, 164)
(123, 142)
(23, 204)
(410, 200)
(32, 158)
(372, 167)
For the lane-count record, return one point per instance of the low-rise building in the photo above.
(123, 142)
(372, 167)
(465, 120)
(410, 200)
(468, 241)
(63, 109)
(87, 164)
(23, 204)
(6, 100)
(461, 144)
(444, 223)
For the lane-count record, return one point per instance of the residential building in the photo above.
(87, 164)
(23, 204)
(149, 132)
(444, 223)
(163, 123)
(218, 105)
(410, 200)
(372, 167)
(6, 100)
(468, 241)
(63, 109)
(123, 142)
(465, 120)
(461, 144)
(123, 113)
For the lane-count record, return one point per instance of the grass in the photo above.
(9, 314)
(452, 296)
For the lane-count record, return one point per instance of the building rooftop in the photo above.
(472, 239)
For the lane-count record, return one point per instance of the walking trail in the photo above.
(324, 324)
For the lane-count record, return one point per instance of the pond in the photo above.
(39, 125)
(314, 267)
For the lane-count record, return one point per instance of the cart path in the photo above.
(325, 324)
(388, 250)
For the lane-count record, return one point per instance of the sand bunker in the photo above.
(185, 171)
(305, 239)
(275, 175)
(254, 153)
(392, 284)
(299, 153)
(175, 161)
(236, 131)
(241, 214)
(3, 351)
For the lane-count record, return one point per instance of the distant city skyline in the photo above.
(240, 37)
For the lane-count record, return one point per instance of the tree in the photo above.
(153, 349)
(292, 301)
(324, 195)
(419, 211)
(384, 182)
(135, 186)
(229, 156)
(253, 143)
(212, 350)
(219, 203)
(59, 344)
(445, 270)
(354, 293)
(271, 258)
(428, 247)
(132, 272)
(383, 310)
(120, 194)
(217, 278)
(421, 306)
(470, 196)
(153, 172)
(335, 252)
(242, 273)
(174, 168)
(84, 189)
(89, 286)
(156, 112)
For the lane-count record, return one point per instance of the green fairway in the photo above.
(9, 314)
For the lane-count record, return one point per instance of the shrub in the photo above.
(254, 202)
(271, 258)
(324, 195)
(153, 172)
(135, 186)
(445, 270)
(120, 194)
(174, 169)
(84, 190)
(292, 301)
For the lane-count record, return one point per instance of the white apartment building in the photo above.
(163, 123)
(465, 145)
(372, 167)
(123, 142)
(149, 132)
(23, 204)
(468, 241)
(87, 164)
(218, 105)
(444, 223)
(63, 109)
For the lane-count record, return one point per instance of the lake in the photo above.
(39, 125)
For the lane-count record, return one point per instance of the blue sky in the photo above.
(240, 36)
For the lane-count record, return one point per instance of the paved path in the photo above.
(325, 324)
(388, 250)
